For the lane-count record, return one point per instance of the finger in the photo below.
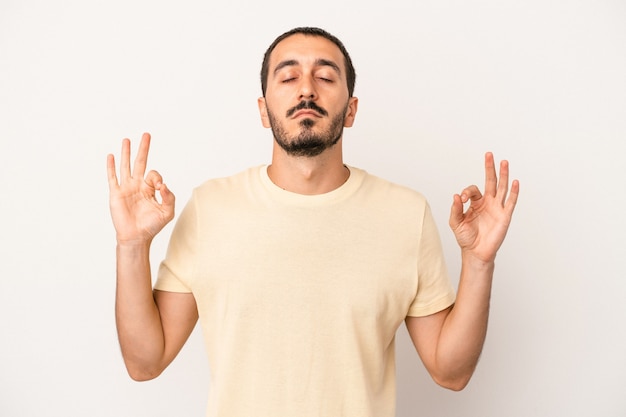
(141, 161)
(512, 200)
(471, 193)
(456, 212)
(153, 180)
(491, 180)
(503, 183)
(111, 174)
(125, 160)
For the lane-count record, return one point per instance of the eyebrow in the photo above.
(320, 62)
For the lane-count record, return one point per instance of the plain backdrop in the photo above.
(541, 83)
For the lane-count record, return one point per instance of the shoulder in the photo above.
(388, 191)
(228, 186)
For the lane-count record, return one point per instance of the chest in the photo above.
(308, 264)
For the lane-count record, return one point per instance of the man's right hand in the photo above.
(137, 214)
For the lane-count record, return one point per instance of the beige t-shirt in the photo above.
(299, 296)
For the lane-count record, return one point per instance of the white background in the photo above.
(541, 83)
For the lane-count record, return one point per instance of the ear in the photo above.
(265, 120)
(353, 104)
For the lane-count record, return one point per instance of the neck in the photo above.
(308, 176)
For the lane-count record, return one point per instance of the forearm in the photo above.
(138, 320)
(465, 328)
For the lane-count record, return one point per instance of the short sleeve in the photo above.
(434, 289)
(177, 269)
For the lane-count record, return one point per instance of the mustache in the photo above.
(308, 105)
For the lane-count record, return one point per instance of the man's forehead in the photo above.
(303, 49)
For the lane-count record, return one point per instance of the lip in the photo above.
(306, 112)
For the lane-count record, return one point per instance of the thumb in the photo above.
(167, 200)
(167, 197)
(456, 212)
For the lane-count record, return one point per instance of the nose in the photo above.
(307, 89)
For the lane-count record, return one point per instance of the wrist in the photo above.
(133, 244)
(471, 260)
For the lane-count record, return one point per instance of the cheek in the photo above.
(275, 103)
(280, 93)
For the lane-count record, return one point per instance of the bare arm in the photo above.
(450, 342)
(152, 327)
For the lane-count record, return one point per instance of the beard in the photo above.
(308, 143)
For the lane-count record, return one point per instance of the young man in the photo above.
(302, 271)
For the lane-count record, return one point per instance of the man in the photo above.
(302, 271)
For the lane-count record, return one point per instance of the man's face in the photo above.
(306, 103)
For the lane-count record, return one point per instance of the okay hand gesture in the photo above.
(137, 214)
(481, 229)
